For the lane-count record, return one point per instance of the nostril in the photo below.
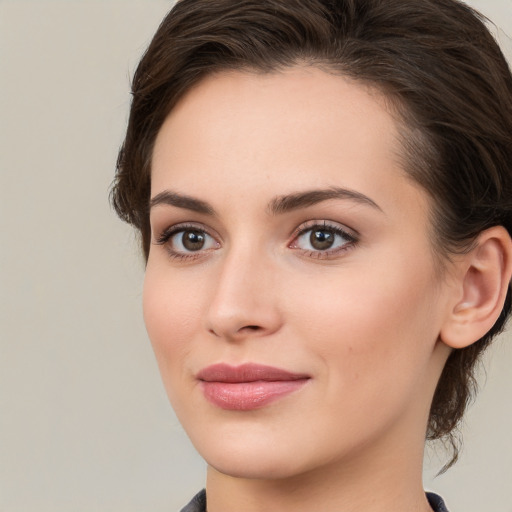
(245, 328)
(252, 327)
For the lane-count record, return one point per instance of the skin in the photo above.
(363, 322)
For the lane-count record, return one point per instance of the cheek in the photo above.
(370, 321)
(172, 316)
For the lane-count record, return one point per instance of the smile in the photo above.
(249, 386)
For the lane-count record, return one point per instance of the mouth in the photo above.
(248, 386)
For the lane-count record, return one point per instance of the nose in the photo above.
(244, 300)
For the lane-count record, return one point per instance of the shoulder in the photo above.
(197, 504)
(436, 502)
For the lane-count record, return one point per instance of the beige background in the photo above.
(84, 421)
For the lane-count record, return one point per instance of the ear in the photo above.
(482, 282)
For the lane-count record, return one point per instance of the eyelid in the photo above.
(165, 234)
(349, 234)
(324, 223)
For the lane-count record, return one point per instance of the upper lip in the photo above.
(249, 372)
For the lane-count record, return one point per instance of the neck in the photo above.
(372, 484)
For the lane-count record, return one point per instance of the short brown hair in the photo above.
(435, 61)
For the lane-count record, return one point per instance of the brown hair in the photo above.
(435, 61)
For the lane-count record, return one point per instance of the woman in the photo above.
(323, 192)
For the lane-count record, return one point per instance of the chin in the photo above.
(263, 467)
(251, 457)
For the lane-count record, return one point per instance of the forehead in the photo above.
(282, 131)
(241, 102)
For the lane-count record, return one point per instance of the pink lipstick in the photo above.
(249, 386)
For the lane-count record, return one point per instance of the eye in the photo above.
(322, 239)
(183, 241)
(191, 240)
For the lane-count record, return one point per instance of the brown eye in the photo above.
(193, 240)
(321, 239)
(188, 240)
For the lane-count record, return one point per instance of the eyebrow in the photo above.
(181, 201)
(291, 202)
(277, 206)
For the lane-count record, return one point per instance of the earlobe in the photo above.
(485, 274)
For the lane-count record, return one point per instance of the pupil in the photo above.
(321, 239)
(193, 240)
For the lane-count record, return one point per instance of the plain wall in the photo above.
(84, 420)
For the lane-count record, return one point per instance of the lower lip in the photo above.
(246, 396)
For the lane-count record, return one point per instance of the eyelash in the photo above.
(312, 225)
(309, 226)
(168, 233)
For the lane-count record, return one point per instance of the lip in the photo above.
(248, 386)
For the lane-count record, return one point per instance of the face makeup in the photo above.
(291, 295)
(249, 386)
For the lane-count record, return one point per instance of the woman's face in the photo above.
(291, 295)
